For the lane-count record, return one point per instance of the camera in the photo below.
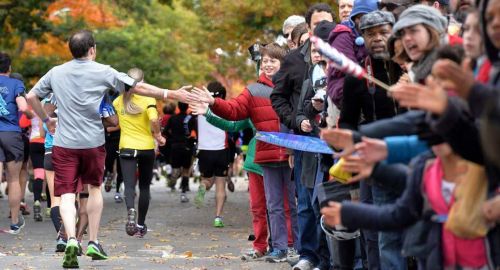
(254, 51)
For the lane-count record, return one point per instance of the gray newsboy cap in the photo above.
(376, 18)
(421, 14)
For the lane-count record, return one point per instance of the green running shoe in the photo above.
(200, 196)
(218, 222)
(70, 259)
(95, 251)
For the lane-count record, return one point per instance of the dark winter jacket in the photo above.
(365, 102)
(288, 85)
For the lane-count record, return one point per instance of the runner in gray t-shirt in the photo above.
(79, 86)
(78, 153)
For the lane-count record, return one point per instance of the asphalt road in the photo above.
(180, 236)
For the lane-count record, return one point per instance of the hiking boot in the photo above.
(276, 256)
(218, 223)
(230, 184)
(200, 196)
(253, 255)
(184, 198)
(60, 245)
(95, 251)
(70, 259)
(37, 211)
(16, 228)
(141, 231)
(131, 227)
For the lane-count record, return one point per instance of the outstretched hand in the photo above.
(202, 95)
(182, 94)
(460, 78)
(357, 165)
(431, 97)
(372, 150)
(339, 139)
(198, 108)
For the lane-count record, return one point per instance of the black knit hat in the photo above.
(323, 30)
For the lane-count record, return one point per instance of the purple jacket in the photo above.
(342, 38)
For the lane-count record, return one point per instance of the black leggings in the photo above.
(112, 142)
(144, 161)
(37, 153)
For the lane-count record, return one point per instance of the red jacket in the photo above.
(254, 103)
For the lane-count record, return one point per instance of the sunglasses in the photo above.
(286, 35)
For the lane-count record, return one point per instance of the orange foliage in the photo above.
(94, 14)
(52, 46)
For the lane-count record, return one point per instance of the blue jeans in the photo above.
(312, 243)
(389, 243)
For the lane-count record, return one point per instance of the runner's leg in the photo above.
(220, 195)
(145, 164)
(13, 170)
(94, 210)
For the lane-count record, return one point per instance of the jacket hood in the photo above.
(362, 7)
(339, 29)
(492, 52)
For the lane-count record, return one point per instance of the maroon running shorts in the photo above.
(76, 167)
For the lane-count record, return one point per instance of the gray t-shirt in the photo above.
(79, 86)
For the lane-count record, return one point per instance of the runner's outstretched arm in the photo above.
(145, 89)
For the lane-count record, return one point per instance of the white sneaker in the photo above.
(303, 265)
(292, 256)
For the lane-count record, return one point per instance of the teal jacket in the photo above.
(234, 126)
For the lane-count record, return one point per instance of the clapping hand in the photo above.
(372, 150)
(357, 165)
(431, 97)
(459, 78)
